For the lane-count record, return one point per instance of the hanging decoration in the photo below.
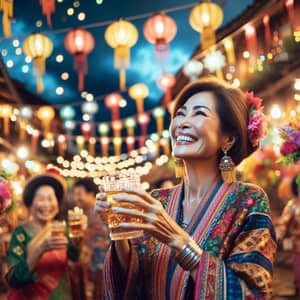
(121, 35)
(80, 43)
(24, 117)
(69, 126)
(38, 47)
(159, 113)
(192, 69)
(6, 111)
(229, 48)
(251, 42)
(48, 8)
(130, 141)
(45, 114)
(104, 140)
(7, 8)
(117, 141)
(290, 6)
(214, 62)
(143, 120)
(268, 36)
(80, 143)
(139, 92)
(67, 112)
(166, 82)
(92, 143)
(90, 108)
(112, 101)
(34, 140)
(205, 18)
(130, 124)
(86, 129)
(117, 127)
(103, 129)
(160, 30)
(164, 143)
(61, 144)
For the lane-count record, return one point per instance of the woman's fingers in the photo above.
(142, 194)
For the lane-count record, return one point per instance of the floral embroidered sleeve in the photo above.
(245, 271)
(18, 273)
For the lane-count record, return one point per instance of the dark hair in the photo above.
(295, 186)
(232, 109)
(88, 185)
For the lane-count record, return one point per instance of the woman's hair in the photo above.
(232, 109)
(295, 186)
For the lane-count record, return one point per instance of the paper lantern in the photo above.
(117, 127)
(92, 143)
(251, 42)
(214, 62)
(229, 48)
(205, 18)
(139, 92)
(67, 112)
(166, 82)
(192, 69)
(6, 111)
(112, 101)
(48, 8)
(80, 143)
(117, 141)
(160, 30)
(130, 141)
(104, 140)
(61, 143)
(38, 47)
(103, 129)
(130, 124)
(159, 113)
(46, 114)
(268, 36)
(289, 4)
(25, 116)
(69, 126)
(80, 43)
(121, 35)
(86, 129)
(7, 7)
(143, 120)
(34, 140)
(90, 108)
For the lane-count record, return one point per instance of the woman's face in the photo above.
(44, 205)
(195, 128)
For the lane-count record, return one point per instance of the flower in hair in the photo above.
(5, 195)
(256, 124)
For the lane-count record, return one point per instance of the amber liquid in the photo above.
(113, 220)
(75, 227)
(57, 233)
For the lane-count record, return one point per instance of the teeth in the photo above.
(184, 138)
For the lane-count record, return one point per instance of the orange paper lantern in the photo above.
(166, 83)
(7, 7)
(112, 101)
(80, 43)
(48, 7)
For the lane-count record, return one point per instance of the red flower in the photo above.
(288, 147)
(253, 100)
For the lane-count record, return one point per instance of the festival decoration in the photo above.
(130, 141)
(5, 193)
(117, 127)
(80, 143)
(5, 113)
(289, 4)
(69, 126)
(34, 140)
(86, 129)
(38, 47)
(61, 143)
(143, 120)
(92, 143)
(103, 129)
(24, 117)
(268, 36)
(160, 30)
(45, 114)
(121, 35)
(251, 42)
(112, 101)
(6, 6)
(214, 62)
(205, 18)
(139, 92)
(80, 43)
(229, 48)
(166, 82)
(159, 113)
(48, 8)
(104, 140)
(117, 141)
(164, 142)
(192, 69)
(67, 112)
(130, 124)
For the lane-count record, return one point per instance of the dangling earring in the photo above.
(227, 168)
(179, 167)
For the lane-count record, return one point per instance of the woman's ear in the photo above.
(228, 143)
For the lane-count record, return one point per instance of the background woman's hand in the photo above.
(53, 242)
(102, 206)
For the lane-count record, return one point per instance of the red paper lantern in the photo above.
(112, 101)
(166, 83)
(80, 43)
(268, 37)
(48, 7)
(160, 30)
(130, 140)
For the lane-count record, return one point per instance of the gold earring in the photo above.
(179, 167)
(227, 168)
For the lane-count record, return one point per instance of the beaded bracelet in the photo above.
(189, 256)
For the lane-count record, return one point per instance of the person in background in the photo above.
(96, 240)
(288, 229)
(210, 237)
(37, 259)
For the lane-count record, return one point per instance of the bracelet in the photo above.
(189, 256)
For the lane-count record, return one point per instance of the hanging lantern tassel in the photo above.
(61, 144)
(22, 131)
(289, 4)
(251, 41)
(48, 7)
(80, 143)
(268, 37)
(165, 145)
(117, 145)
(104, 140)
(229, 48)
(130, 140)
(34, 140)
(39, 70)
(6, 6)
(81, 66)
(92, 142)
(122, 58)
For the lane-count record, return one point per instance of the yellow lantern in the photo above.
(5, 113)
(46, 114)
(139, 92)
(80, 143)
(7, 7)
(121, 35)
(229, 48)
(92, 143)
(205, 18)
(117, 145)
(38, 47)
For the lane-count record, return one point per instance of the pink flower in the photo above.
(288, 147)
(253, 100)
(4, 191)
(256, 127)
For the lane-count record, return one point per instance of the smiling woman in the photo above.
(206, 238)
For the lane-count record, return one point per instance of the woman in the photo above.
(37, 260)
(207, 238)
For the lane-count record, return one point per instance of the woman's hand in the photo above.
(155, 219)
(102, 206)
(55, 242)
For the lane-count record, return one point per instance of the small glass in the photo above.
(114, 185)
(75, 217)
(58, 228)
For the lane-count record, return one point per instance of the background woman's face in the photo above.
(195, 128)
(44, 205)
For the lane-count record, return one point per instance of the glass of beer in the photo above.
(114, 185)
(58, 228)
(75, 222)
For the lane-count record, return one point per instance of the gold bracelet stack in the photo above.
(189, 257)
